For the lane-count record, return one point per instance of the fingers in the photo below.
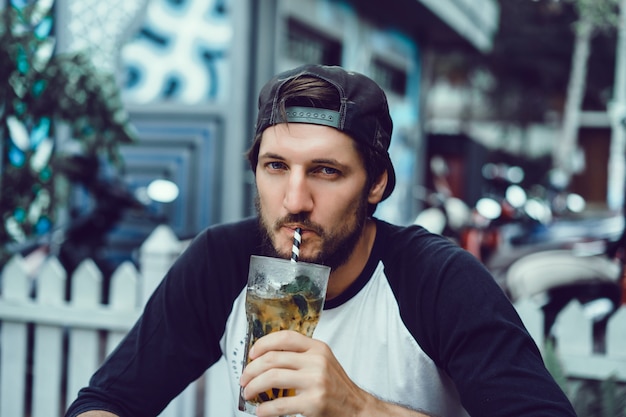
(280, 407)
(284, 340)
(278, 360)
(270, 381)
(270, 361)
(289, 360)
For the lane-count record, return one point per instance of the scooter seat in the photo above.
(539, 272)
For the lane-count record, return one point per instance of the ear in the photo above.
(377, 189)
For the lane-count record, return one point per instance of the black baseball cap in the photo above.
(363, 113)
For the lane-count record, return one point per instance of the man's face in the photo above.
(311, 176)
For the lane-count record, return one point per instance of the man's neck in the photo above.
(346, 274)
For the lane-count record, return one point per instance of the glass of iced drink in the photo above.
(281, 295)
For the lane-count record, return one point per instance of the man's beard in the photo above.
(337, 246)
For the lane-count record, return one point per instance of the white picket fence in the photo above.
(573, 331)
(49, 347)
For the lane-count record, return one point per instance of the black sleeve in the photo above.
(177, 337)
(465, 323)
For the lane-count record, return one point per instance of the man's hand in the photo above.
(287, 359)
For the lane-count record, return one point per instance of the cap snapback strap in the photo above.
(313, 115)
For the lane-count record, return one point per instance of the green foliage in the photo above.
(590, 398)
(554, 365)
(531, 58)
(39, 91)
(603, 15)
(302, 285)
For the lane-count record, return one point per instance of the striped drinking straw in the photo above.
(295, 249)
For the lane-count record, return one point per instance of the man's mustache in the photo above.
(301, 219)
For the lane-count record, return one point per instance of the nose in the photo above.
(298, 197)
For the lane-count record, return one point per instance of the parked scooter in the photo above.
(590, 271)
(535, 249)
(571, 259)
(444, 214)
(504, 215)
(532, 244)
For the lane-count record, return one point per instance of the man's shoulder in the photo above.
(242, 234)
(404, 246)
(248, 225)
(409, 237)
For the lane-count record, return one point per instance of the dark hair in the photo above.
(309, 91)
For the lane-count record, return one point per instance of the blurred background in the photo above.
(166, 90)
(118, 116)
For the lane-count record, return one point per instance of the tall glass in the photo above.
(281, 295)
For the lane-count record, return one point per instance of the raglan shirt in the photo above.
(424, 325)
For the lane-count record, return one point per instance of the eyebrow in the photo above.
(271, 155)
(328, 161)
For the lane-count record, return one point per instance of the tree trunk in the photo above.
(617, 114)
(565, 145)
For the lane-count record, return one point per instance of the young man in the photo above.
(412, 324)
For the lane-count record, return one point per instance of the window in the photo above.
(389, 77)
(307, 45)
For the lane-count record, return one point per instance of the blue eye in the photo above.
(275, 165)
(329, 171)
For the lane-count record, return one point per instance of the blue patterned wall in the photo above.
(180, 54)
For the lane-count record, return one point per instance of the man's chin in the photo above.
(303, 257)
(276, 251)
(312, 258)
